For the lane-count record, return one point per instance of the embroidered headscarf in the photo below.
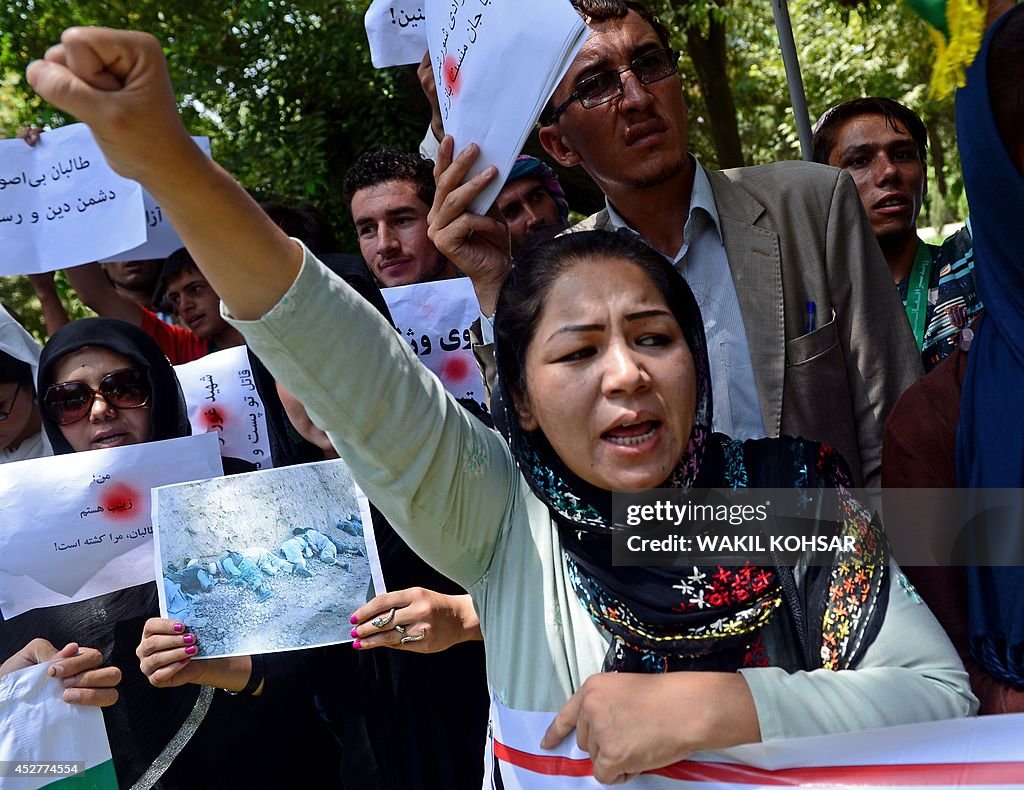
(656, 626)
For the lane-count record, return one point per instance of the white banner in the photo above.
(397, 32)
(161, 237)
(495, 63)
(78, 525)
(62, 205)
(45, 741)
(984, 752)
(221, 395)
(434, 318)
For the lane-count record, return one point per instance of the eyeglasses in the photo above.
(602, 88)
(70, 401)
(5, 414)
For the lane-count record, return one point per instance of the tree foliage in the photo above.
(287, 93)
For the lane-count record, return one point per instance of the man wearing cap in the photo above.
(532, 201)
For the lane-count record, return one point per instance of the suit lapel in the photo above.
(755, 262)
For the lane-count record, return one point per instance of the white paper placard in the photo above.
(495, 64)
(61, 205)
(221, 395)
(434, 318)
(397, 32)
(78, 525)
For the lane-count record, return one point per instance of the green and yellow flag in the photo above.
(957, 28)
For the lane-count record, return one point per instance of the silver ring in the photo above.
(383, 620)
(400, 629)
(406, 639)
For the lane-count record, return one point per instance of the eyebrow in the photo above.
(639, 316)
(391, 213)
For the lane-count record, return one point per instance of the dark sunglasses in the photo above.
(602, 88)
(70, 401)
(5, 414)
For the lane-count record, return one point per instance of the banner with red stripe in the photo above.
(986, 752)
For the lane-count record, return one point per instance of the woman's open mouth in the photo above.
(632, 434)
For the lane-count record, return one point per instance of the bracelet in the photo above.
(255, 676)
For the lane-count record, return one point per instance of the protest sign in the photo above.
(266, 561)
(61, 205)
(397, 32)
(76, 526)
(221, 395)
(434, 318)
(975, 752)
(161, 237)
(495, 64)
(44, 741)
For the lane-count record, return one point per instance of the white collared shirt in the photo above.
(702, 261)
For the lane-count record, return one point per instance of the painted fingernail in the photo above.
(354, 633)
(354, 620)
(191, 651)
(357, 645)
(188, 639)
(179, 627)
(184, 661)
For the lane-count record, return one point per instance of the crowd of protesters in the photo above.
(779, 326)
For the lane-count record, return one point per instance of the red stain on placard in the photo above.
(213, 418)
(455, 369)
(122, 502)
(450, 75)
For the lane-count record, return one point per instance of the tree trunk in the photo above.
(939, 163)
(709, 59)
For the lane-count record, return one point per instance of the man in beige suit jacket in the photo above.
(792, 234)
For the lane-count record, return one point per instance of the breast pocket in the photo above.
(807, 348)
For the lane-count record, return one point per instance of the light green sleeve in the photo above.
(909, 674)
(442, 478)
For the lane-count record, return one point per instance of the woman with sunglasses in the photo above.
(105, 383)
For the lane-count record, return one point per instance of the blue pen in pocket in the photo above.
(812, 317)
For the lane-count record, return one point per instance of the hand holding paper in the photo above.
(478, 245)
(85, 680)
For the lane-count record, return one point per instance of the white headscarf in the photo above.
(15, 341)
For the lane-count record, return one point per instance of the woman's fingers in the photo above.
(563, 723)
(165, 650)
(74, 660)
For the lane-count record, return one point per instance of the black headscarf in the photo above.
(167, 404)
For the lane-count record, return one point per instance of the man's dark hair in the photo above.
(389, 164)
(305, 223)
(1006, 83)
(896, 115)
(179, 261)
(599, 10)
